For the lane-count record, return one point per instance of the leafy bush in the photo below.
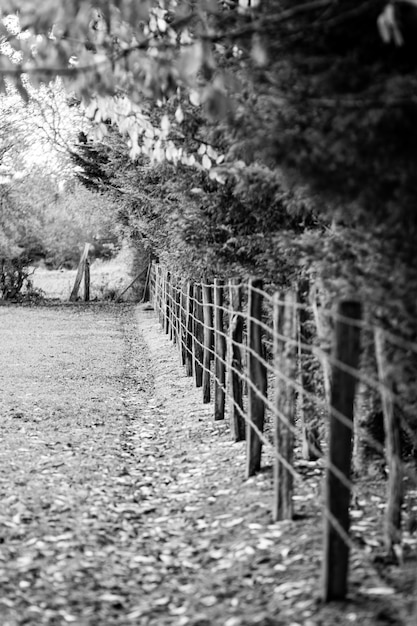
(75, 217)
(39, 223)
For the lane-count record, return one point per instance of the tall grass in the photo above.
(108, 279)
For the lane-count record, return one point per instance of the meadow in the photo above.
(107, 280)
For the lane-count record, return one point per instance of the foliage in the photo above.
(316, 99)
(38, 133)
(38, 222)
(78, 216)
(294, 121)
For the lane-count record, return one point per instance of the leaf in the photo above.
(378, 591)
(144, 559)
(208, 600)
(179, 115)
(23, 92)
(234, 522)
(112, 598)
(258, 51)
(165, 124)
(216, 103)
(190, 61)
(194, 98)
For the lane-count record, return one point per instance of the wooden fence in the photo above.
(257, 354)
(83, 270)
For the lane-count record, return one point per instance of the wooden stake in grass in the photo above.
(337, 481)
(80, 273)
(87, 280)
(257, 376)
(132, 282)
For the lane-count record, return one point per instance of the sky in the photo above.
(45, 127)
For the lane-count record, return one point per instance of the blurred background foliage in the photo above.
(264, 137)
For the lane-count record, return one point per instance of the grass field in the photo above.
(108, 279)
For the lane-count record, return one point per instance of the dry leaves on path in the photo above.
(122, 502)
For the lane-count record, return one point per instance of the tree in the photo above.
(40, 220)
(275, 137)
(248, 94)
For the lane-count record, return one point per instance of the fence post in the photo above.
(175, 312)
(153, 285)
(182, 323)
(80, 272)
(87, 280)
(157, 288)
(257, 378)
(189, 330)
(219, 351)
(167, 306)
(237, 422)
(343, 385)
(178, 314)
(208, 339)
(172, 320)
(392, 448)
(198, 336)
(162, 283)
(284, 322)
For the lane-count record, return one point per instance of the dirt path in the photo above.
(122, 502)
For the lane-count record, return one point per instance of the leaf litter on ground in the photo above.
(125, 503)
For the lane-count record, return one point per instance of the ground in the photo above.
(123, 502)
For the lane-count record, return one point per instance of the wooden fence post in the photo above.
(178, 318)
(167, 305)
(219, 351)
(146, 295)
(153, 286)
(80, 273)
(87, 281)
(343, 385)
(157, 289)
(311, 447)
(132, 282)
(183, 323)
(162, 287)
(189, 330)
(174, 311)
(172, 319)
(284, 321)
(237, 422)
(208, 340)
(198, 336)
(392, 449)
(257, 376)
